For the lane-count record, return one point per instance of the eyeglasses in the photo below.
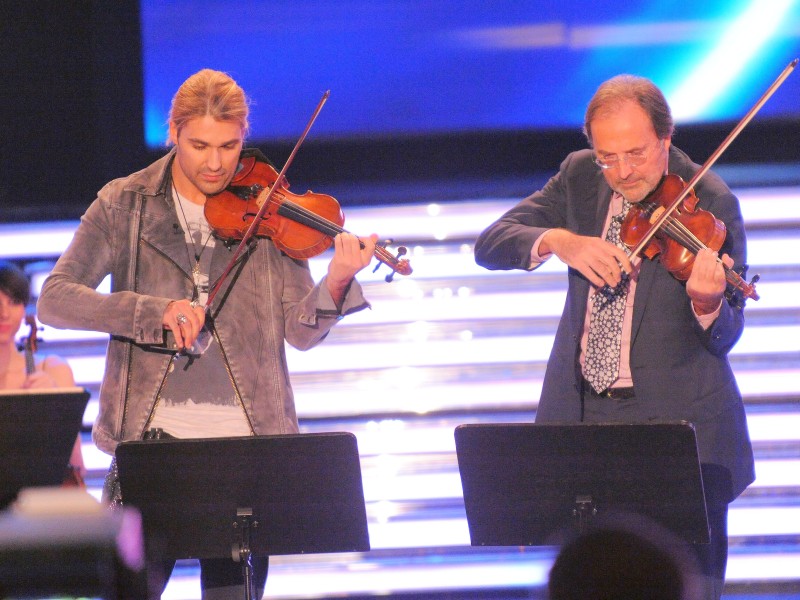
(633, 159)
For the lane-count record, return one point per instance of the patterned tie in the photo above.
(601, 362)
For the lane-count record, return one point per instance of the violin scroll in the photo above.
(395, 263)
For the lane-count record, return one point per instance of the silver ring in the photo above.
(181, 319)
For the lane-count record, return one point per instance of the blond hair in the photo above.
(212, 93)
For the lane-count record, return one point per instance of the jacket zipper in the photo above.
(158, 397)
(166, 372)
(169, 364)
(230, 377)
(140, 202)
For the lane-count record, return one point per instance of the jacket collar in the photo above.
(154, 179)
(160, 227)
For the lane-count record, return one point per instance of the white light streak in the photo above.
(463, 220)
(343, 574)
(739, 44)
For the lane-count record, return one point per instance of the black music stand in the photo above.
(246, 496)
(37, 433)
(530, 484)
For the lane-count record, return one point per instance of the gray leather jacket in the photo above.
(132, 232)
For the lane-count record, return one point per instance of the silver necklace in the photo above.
(197, 254)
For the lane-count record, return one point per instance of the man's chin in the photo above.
(213, 189)
(632, 193)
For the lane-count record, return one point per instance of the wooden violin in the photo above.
(669, 223)
(682, 235)
(303, 226)
(31, 344)
(265, 207)
(72, 475)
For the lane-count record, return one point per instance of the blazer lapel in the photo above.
(602, 200)
(644, 287)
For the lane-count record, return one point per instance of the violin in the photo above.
(302, 226)
(685, 232)
(72, 476)
(668, 222)
(31, 343)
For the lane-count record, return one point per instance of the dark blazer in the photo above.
(680, 372)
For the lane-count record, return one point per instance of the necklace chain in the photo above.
(197, 255)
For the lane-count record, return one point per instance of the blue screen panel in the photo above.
(427, 67)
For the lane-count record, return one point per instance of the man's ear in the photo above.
(173, 133)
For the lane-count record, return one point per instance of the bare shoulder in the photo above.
(57, 368)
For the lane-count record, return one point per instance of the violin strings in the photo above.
(320, 223)
(684, 236)
(681, 234)
(330, 228)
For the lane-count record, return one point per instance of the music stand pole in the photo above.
(583, 512)
(242, 552)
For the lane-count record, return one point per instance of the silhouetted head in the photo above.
(623, 561)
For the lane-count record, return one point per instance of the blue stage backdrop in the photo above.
(421, 67)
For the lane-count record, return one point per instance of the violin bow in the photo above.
(248, 234)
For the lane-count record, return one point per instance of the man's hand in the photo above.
(348, 259)
(706, 284)
(599, 261)
(185, 321)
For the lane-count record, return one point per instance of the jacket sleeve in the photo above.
(309, 310)
(723, 204)
(507, 243)
(69, 297)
